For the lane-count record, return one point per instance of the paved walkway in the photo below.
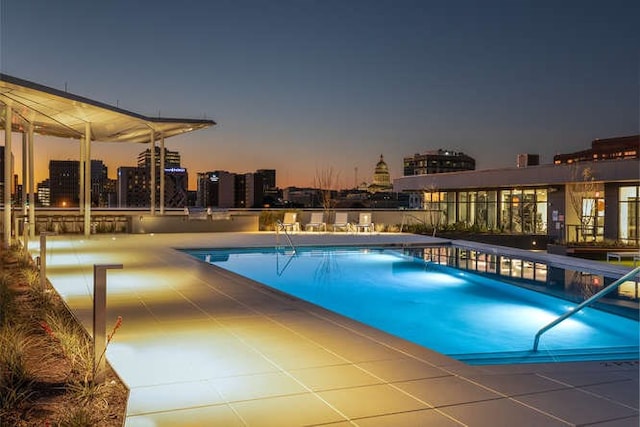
(201, 346)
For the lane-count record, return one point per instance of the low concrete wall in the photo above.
(389, 218)
(141, 224)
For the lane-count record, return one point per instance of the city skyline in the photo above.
(303, 86)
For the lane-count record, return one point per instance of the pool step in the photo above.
(550, 356)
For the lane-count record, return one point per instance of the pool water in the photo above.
(460, 314)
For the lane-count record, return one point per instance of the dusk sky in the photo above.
(301, 86)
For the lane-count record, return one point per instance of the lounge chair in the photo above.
(341, 222)
(316, 221)
(364, 222)
(290, 223)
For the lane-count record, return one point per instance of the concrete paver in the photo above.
(201, 346)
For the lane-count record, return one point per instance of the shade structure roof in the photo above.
(58, 113)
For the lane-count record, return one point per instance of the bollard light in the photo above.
(43, 258)
(100, 318)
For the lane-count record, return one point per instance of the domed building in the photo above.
(381, 178)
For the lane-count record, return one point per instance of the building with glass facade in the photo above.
(583, 201)
(621, 147)
(437, 161)
(64, 182)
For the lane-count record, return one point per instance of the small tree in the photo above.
(325, 181)
(582, 190)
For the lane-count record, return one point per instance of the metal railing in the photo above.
(585, 303)
(281, 226)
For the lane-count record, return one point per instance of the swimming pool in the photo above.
(472, 318)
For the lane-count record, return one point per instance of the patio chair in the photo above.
(364, 222)
(290, 222)
(341, 222)
(316, 221)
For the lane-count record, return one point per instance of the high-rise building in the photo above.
(109, 194)
(438, 161)
(44, 193)
(268, 178)
(216, 189)
(222, 189)
(171, 158)
(271, 193)
(133, 190)
(134, 183)
(622, 147)
(176, 182)
(99, 179)
(64, 182)
(2, 173)
(255, 189)
(239, 190)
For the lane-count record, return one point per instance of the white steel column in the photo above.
(32, 196)
(152, 180)
(162, 168)
(81, 178)
(24, 173)
(8, 120)
(87, 179)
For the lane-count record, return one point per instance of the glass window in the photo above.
(629, 214)
(436, 208)
(463, 213)
(541, 211)
(528, 211)
(480, 211)
(492, 211)
(521, 211)
(592, 220)
(516, 211)
(510, 211)
(451, 207)
(472, 208)
(505, 210)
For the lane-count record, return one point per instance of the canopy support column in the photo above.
(8, 120)
(152, 178)
(81, 178)
(87, 179)
(23, 196)
(32, 196)
(162, 168)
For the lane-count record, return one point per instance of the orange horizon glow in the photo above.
(115, 155)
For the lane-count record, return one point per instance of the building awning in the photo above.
(58, 113)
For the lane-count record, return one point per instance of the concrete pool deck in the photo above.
(202, 346)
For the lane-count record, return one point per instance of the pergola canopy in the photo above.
(57, 113)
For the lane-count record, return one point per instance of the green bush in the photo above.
(267, 220)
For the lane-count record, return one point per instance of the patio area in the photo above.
(202, 346)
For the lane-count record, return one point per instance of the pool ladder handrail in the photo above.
(585, 303)
(284, 229)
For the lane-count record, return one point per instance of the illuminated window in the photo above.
(629, 214)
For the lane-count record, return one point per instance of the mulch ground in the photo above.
(54, 398)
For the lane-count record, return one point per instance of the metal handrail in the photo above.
(280, 272)
(585, 303)
(284, 229)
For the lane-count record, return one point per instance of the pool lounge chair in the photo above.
(290, 222)
(341, 222)
(316, 221)
(364, 222)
